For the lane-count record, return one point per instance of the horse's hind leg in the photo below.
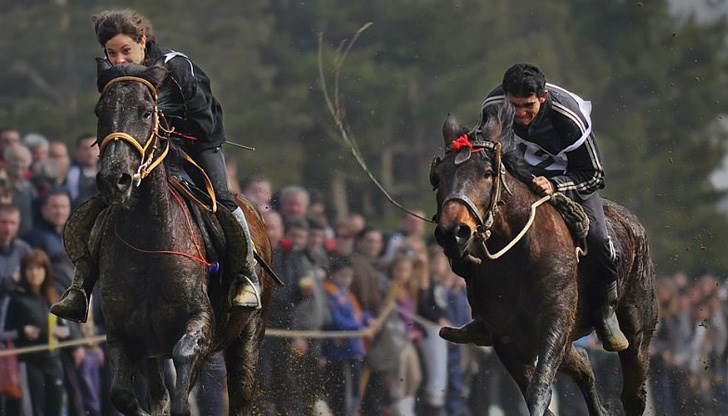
(635, 362)
(518, 368)
(187, 357)
(122, 392)
(576, 365)
(241, 358)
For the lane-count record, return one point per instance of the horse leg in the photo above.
(122, 391)
(517, 367)
(635, 362)
(158, 394)
(576, 366)
(187, 354)
(241, 359)
(553, 342)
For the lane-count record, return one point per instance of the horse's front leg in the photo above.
(122, 392)
(187, 357)
(158, 393)
(554, 336)
(518, 365)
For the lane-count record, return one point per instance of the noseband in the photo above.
(148, 161)
(483, 231)
(466, 149)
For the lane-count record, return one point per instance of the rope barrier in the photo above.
(269, 332)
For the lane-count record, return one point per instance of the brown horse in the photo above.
(157, 294)
(523, 276)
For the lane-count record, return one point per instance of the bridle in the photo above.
(484, 225)
(147, 152)
(466, 148)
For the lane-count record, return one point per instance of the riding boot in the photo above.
(606, 323)
(247, 294)
(474, 332)
(74, 303)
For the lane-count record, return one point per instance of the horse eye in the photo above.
(147, 114)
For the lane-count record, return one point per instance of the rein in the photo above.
(483, 231)
(149, 161)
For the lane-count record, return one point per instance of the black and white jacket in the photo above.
(560, 144)
(186, 98)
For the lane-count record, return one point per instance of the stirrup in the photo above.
(73, 305)
(247, 295)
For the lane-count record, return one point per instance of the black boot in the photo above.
(474, 332)
(606, 323)
(73, 304)
(248, 291)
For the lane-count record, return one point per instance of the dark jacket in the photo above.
(27, 308)
(186, 98)
(560, 144)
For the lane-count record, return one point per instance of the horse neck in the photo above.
(155, 200)
(515, 209)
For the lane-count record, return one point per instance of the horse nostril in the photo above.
(124, 182)
(462, 234)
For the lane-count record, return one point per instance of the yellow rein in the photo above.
(149, 162)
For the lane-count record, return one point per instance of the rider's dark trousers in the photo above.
(597, 238)
(213, 162)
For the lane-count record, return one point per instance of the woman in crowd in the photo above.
(28, 315)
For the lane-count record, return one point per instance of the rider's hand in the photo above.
(544, 185)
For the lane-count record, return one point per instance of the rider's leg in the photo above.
(212, 161)
(74, 303)
(604, 282)
(474, 332)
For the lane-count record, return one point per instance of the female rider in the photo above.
(190, 108)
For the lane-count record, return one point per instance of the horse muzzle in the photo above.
(115, 187)
(455, 240)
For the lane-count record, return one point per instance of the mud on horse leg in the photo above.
(576, 366)
(187, 355)
(122, 393)
(241, 357)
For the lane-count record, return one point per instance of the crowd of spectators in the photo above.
(362, 306)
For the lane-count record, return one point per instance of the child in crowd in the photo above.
(344, 355)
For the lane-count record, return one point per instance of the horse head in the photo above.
(128, 127)
(469, 179)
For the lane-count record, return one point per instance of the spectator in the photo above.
(231, 172)
(17, 160)
(258, 190)
(28, 315)
(409, 226)
(81, 179)
(12, 249)
(47, 234)
(294, 202)
(433, 306)
(408, 375)
(344, 355)
(343, 243)
(369, 283)
(38, 146)
(9, 137)
(58, 153)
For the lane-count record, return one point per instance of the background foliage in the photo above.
(658, 84)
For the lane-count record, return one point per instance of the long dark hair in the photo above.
(110, 23)
(38, 257)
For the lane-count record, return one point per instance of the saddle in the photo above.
(223, 238)
(575, 218)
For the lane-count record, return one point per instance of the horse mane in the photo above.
(105, 73)
(496, 126)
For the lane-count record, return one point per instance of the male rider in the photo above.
(554, 133)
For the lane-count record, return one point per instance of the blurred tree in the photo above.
(657, 83)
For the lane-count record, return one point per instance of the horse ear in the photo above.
(101, 65)
(450, 129)
(155, 74)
